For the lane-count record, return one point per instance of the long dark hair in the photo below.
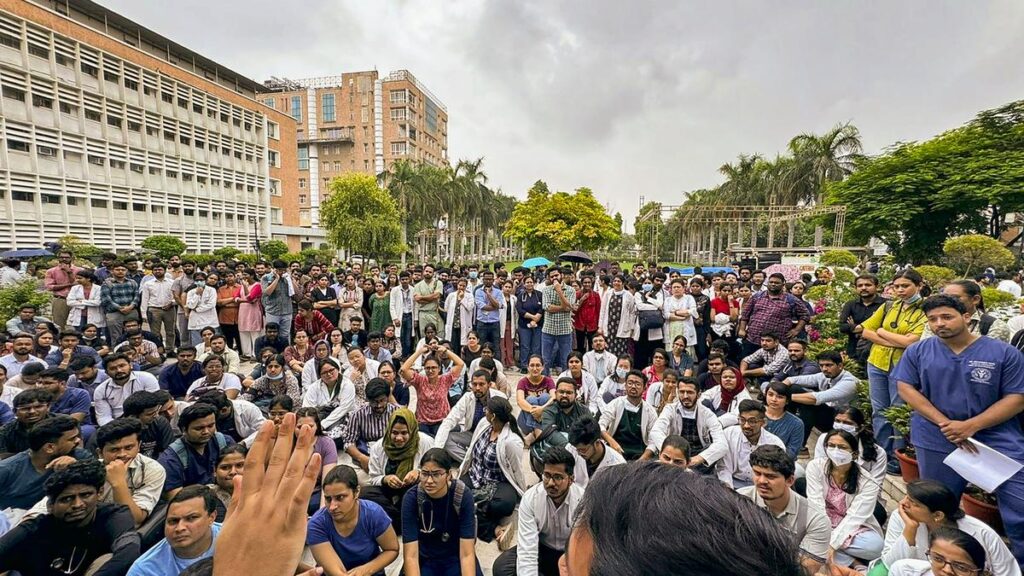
(866, 436)
(853, 478)
(502, 410)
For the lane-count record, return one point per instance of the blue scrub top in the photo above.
(962, 386)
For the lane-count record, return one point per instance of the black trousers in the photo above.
(819, 416)
(389, 499)
(583, 341)
(231, 336)
(547, 560)
(490, 513)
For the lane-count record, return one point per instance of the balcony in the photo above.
(328, 135)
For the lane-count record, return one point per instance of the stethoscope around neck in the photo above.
(428, 527)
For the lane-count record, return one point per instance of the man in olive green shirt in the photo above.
(427, 293)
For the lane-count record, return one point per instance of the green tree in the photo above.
(361, 217)
(974, 252)
(273, 249)
(226, 252)
(935, 276)
(26, 291)
(79, 247)
(165, 245)
(843, 258)
(652, 234)
(818, 160)
(916, 195)
(551, 223)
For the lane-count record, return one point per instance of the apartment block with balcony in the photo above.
(113, 133)
(356, 122)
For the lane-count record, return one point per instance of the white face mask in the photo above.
(844, 426)
(621, 372)
(838, 456)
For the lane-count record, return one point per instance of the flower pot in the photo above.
(908, 466)
(983, 511)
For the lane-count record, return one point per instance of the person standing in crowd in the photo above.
(702, 319)
(85, 303)
(350, 302)
(250, 312)
(546, 517)
(680, 311)
(277, 290)
(459, 308)
(201, 307)
(490, 306)
(439, 522)
(891, 329)
(404, 310)
(618, 318)
(180, 287)
(426, 295)
(508, 326)
(227, 310)
(855, 312)
(648, 335)
(774, 473)
(559, 301)
(157, 305)
(58, 282)
(963, 386)
(588, 313)
(773, 311)
(734, 469)
(530, 311)
(325, 298)
(120, 297)
(979, 321)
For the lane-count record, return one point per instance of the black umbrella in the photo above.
(26, 253)
(576, 256)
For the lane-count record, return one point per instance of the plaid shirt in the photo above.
(317, 327)
(485, 469)
(771, 362)
(114, 294)
(558, 323)
(364, 426)
(766, 314)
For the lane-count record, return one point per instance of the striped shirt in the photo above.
(557, 323)
(365, 426)
(114, 294)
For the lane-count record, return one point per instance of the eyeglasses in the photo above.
(434, 475)
(554, 477)
(959, 568)
(751, 421)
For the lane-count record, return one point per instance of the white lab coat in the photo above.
(710, 429)
(589, 393)
(581, 476)
(466, 310)
(203, 308)
(379, 458)
(461, 415)
(318, 395)
(395, 305)
(510, 455)
(627, 319)
(860, 506)
(611, 415)
(731, 417)
(653, 303)
(77, 300)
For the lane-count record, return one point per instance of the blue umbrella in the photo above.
(537, 261)
(26, 253)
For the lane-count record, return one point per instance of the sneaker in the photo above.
(505, 533)
(893, 468)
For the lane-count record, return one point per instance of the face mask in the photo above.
(200, 283)
(648, 287)
(621, 372)
(914, 298)
(472, 275)
(838, 456)
(278, 377)
(844, 426)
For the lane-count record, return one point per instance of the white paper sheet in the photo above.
(987, 469)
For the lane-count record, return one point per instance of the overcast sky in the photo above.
(632, 97)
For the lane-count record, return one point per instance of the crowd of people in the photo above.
(434, 398)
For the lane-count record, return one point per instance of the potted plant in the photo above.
(899, 417)
(982, 505)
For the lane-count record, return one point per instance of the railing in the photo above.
(330, 135)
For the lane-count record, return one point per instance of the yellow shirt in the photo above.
(901, 319)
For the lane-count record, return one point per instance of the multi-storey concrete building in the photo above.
(113, 133)
(357, 122)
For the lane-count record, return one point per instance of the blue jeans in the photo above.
(529, 344)
(555, 350)
(527, 423)
(284, 322)
(883, 395)
(490, 332)
(866, 546)
(1010, 495)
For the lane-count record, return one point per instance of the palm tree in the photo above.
(818, 160)
(406, 182)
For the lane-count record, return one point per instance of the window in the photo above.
(366, 114)
(97, 160)
(275, 216)
(275, 187)
(398, 97)
(49, 198)
(71, 201)
(114, 121)
(120, 205)
(111, 77)
(269, 102)
(272, 130)
(296, 109)
(93, 115)
(274, 158)
(42, 101)
(302, 198)
(138, 207)
(167, 97)
(303, 158)
(46, 150)
(134, 126)
(90, 70)
(117, 164)
(69, 109)
(10, 41)
(38, 51)
(173, 211)
(337, 166)
(398, 113)
(137, 168)
(399, 148)
(327, 104)
(131, 85)
(13, 93)
(17, 146)
(302, 183)
(190, 212)
(98, 203)
(23, 196)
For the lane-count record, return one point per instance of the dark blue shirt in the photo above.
(21, 485)
(6, 414)
(172, 380)
(441, 515)
(529, 304)
(357, 548)
(73, 401)
(198, 468)
(56, 357)
(961, 386)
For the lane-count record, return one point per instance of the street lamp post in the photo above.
(256, 232)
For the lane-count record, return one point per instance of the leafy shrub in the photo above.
(27, 291)
(936, 276)
(842, 258)
(996, 298)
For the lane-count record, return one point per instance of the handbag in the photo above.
(649, 319)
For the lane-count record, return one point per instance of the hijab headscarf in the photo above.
(729, 395)
(406, 455)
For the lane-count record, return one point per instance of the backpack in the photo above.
(459, 490)
(179, 448)
(987, 320)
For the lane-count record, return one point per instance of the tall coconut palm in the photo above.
(830, 157)
(405, 181)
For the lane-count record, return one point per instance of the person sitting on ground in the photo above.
(322, 445)
(190, 531)
(191, 459)
(716, 364)
(350, 534)
(591, 453)
(355, 335)
(54, 444)
(28, 377)
(25, 321)
(780, 421)
(70, 346)
(634, 500)
(333, 396)
(108, 399)
(85, 374)
(724, 399)
(587, 390)
(675, 451)
(131, 325)
(439, 522)
(734, 469)
(546, 517)
(73, 402)
(493, 469)
(132, 479)
(663, 392)
(276, 380)
(837, 487)
(950, 551)
(626, 421)
(79, 535)
(369, 422)
(534, 392)
(321, 351)
(797, 364)
(177, 377)
(456, 430)
(271, 337)
(565, 409)
(929, 506)
(156, 433)
(219, 347)
(144, 354)
(230, 463)
(872, 458)
(215, 378)
(819, 395)
(258, 371)
(774, 474)
(696, 423)
(395, 462)
(432, 389)
(30, 408)
(237, 419)
(375, 349)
